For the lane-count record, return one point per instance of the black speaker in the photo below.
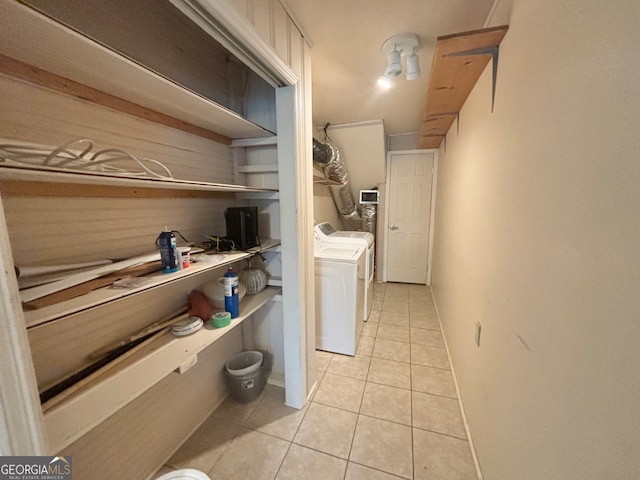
(242, 226)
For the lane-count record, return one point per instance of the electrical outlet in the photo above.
(478, 329)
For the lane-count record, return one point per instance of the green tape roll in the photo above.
(221, 319)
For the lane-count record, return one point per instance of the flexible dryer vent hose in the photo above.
(330, 158)
(321, 152)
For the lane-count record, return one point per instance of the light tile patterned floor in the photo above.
(390, 412)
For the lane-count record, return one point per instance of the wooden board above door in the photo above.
(452, 79)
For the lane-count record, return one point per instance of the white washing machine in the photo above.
(340, 284)
(325, 232)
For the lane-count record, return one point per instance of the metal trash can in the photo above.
(247, 375)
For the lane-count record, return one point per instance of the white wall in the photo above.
(324, 208)
(363, 149)
(538, 238)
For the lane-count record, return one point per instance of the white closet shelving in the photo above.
(50, 175)
(99, 67)
(67, 420)
(104, 295)
(96, 401)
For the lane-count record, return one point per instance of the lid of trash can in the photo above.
(185, 474)
(244, 363)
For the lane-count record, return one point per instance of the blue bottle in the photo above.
(166, 242)
(231, 293)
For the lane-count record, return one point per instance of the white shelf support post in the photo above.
(296, 226)
(21, 431)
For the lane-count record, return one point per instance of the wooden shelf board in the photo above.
(96, 401)
(452, 79)
(431, 142)
(21, 181)
(435, 124)
(104, 71)
(109, 294)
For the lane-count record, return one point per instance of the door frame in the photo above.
(21, 420)
(385, 222)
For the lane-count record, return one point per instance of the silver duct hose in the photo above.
(322, 152)
(369, 218)
(335, 168)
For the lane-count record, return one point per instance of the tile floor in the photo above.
(390, 412)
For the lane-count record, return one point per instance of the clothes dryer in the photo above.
(325, 232)
(340, 283)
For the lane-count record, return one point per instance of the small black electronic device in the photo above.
(242, 226)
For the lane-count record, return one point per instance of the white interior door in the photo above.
(409, 217)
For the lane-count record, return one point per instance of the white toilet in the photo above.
(186, 474)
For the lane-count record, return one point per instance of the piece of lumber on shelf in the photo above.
(30, 294)
(31, 74)
(452, 78)
(88, 286)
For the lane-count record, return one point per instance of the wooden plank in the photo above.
(22, 188)
(52, 402)
(452, 79)
(430, 142)
(74, 279)
(91, 285)
(34, 75)
(434, 124)
(44, 182)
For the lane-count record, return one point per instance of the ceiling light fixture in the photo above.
(385, 82)
(396, 48)
(413, 67)
(395, 66)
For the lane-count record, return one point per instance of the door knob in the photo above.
(393, 227)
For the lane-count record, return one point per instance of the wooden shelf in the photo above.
(452, 78)
(23, 181)
(94, 402)
(109, 294)
(104, 71)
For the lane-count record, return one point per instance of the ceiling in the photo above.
(347, 58)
